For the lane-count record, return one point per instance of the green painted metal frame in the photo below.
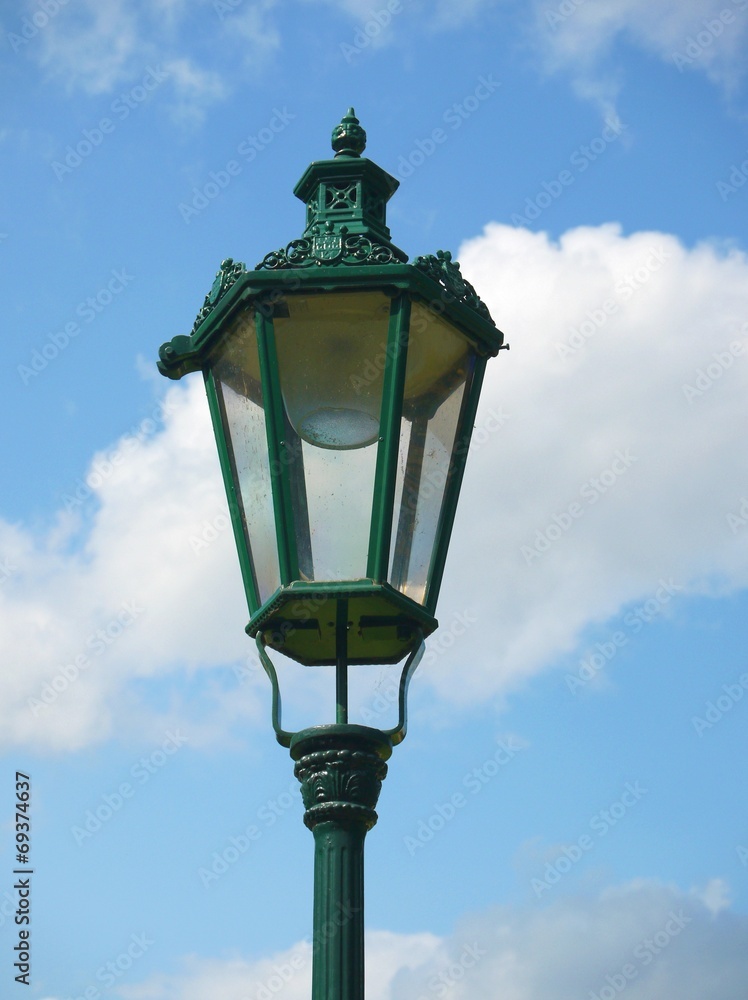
(395, 735)
(341, 661)
(454, 483)
(184, 354)
(284, 519)
(422, 620)
(405, 284)
(236, 506)
(389, 440)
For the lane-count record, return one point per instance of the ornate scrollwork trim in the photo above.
(446, 272)
(328, 246)
(228, 273)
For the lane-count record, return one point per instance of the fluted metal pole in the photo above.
(341, 769)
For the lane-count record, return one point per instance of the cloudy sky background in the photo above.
(567, 815)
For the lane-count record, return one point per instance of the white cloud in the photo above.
(651, 940)
(195, 89)
(252, 27)
(442, 15)
(106, 601)
(286, 975)
(599, 417)
(715, 895)
(607, 477)
(97, 48)
(449, 14)
(92, 46)
(578, 36)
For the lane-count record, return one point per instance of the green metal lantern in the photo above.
(343, 384)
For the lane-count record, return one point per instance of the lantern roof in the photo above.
(346, 243)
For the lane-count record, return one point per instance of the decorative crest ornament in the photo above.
(327, 246)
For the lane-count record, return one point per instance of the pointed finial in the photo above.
(348, 138)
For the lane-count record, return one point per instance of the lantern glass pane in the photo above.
(237, 376)
(331, 351)
(437, 379)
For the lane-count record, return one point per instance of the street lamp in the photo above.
(343, 384)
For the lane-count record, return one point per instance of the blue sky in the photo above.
(567, 817)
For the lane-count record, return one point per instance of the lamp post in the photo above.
(343, 384)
